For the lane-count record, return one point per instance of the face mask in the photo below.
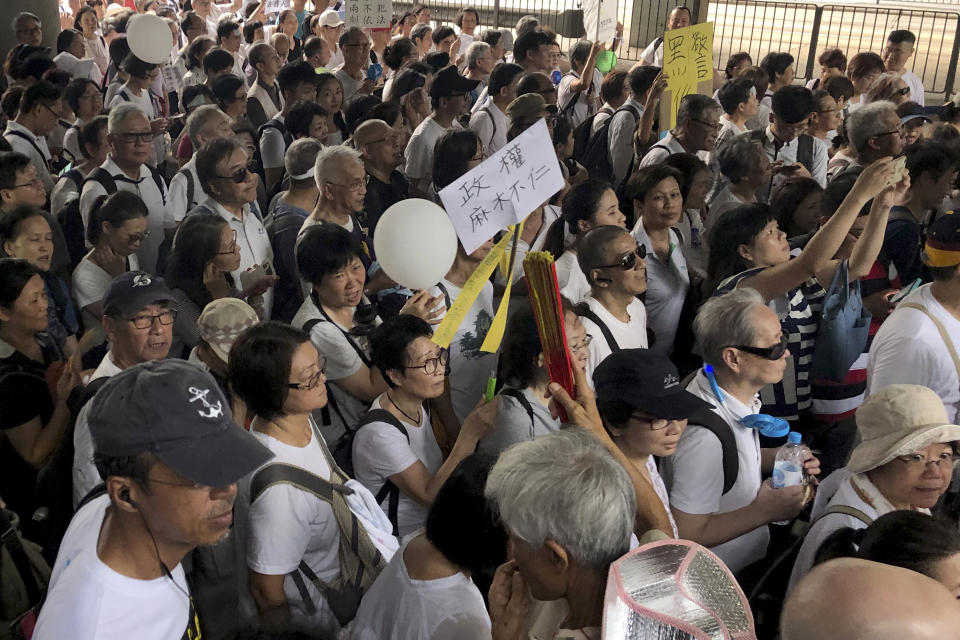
(767, 425)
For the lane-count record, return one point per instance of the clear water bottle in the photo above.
(788, 466)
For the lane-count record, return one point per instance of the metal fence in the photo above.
(803, 29)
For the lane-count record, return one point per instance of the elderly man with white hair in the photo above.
(342, 183)
(126, 169)
(480, 62)
(203, 125)
(873, 131)
(744, 350)
(568, 507)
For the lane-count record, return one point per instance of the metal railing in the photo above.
(803, 29)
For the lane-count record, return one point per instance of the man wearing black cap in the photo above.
(171, 456)
(448, 99)
(645, 409)
(138, 320)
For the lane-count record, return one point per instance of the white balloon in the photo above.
(150, 38)
(415, 243)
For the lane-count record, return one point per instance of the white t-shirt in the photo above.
(90, 284)
(272, 146)
(342, 362)
(380, 450)
(398, 607)
(286, 525)
(490, 124)
(469, 367)
(85, 474)
(350, 84)
(908, 349)
(629, 335)
(694, 474)
(570, 277)
(419, 151)
(653, 54)
(661, 490)
(667, 286)
(913, 81)
(88, 599)
(586, 104)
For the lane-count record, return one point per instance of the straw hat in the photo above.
(898, 420)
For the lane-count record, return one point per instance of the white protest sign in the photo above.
(503, 189)
(276, 6)
(600, 19)
(368, 14)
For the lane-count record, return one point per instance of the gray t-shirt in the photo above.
(514, 423)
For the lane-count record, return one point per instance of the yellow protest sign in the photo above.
(447, 329)
(688, 64)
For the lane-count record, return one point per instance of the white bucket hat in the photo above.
(898, 420)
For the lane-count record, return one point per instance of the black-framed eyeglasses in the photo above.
(710, 125)
(133, 138)
(654, 424)
(51, 110)
(313, 381)
(145, 321)
(431, 365)
(889, 133)
(583, 344)
(185, 485)
(231, 248)
(768, 353)
(628, 260)
(36, 183)
(240, 174)
(356, 185)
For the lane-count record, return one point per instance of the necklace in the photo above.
(405, 414)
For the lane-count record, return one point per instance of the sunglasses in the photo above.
(768, 353)
(240, 174)
(629, 260)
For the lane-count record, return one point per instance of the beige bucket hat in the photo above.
(898, 420)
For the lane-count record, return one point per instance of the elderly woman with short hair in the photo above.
(744, 163)
(550, 492)
(888, 86)
(905, 460)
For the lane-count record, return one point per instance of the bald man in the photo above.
(850, 599)
(380, 146)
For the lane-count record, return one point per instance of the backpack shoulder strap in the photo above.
(716, 425)
(282, 473)
(103, 178)
(188, 176)
(493, 121)
(446, 294)
(75, 177)
(944, 335)
(805, 151)
(520, 397)
(36, 147)
(901, 214)
(159, 181)
(389, 490)
(847, 510)
(584, 311)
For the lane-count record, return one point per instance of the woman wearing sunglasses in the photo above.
(748, 249)
(616, 268)
(397, 456)
(888, 86)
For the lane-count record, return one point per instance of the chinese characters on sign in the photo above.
(600, 19)
(276, 6)
(688, 62)
(503, 189)
(369, 14)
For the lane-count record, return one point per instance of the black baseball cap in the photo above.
(176, 411)
(448, 82)
(645, 381)
(405, 82)
(131, 291)
(436, 60)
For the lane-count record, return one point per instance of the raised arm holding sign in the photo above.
(688, 64)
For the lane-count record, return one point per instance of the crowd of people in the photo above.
(221, 418)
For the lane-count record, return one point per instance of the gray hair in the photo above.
(419, 31)
(527, 24)
(120, 114)
(696, 107)
(300, 158)
(737, 155)
(579, 52)
(882, 87)
(475, 53)
(726, 320)
(867, 122)
(332, 160)
(200, 120)
(347, 33)
(20, 17)
(565, 487)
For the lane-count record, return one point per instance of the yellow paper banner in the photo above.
(495, 334)
(687, 62)
(471, 289)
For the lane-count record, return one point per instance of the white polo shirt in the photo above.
(916, 86)
(146, 188)
(180, 204)
(694, 474)
(908, 349)
(490, 125)
(667, 285)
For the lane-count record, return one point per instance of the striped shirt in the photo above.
(799, 313)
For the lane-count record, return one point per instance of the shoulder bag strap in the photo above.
(10, 540)
(446, 295)
(363, 356)
(584, 311)
(847, 510)
(33, 143)
(519, 396)
(943, 332)
(389, 490)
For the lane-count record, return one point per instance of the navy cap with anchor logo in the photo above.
(132, 291)
(176, 411)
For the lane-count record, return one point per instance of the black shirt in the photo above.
(381, 196)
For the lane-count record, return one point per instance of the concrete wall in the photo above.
(47, 11)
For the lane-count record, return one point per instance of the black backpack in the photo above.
(109, 183)
(71, 222)
(582, 134)
(272, 123)
(287, 293)
(804, 146)
(716, 425)
(596, 154)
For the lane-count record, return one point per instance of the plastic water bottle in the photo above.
(788, 466)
